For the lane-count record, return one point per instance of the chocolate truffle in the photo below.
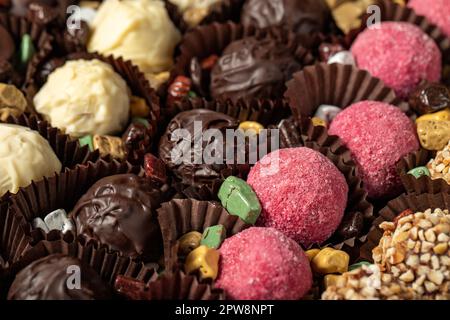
(302, 194)
(137, 30)
(7, 46)
(120, 211)
(400, 54)
(26, 156)
(85, 97)
(378, 135)
(49, 278)
(253, 68)
(263, 264)
(194, 11)
(176, 147)
(303, 17)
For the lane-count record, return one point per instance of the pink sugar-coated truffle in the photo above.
(436, 11)
(378, 135)
(263, 264)
(302, 194)
(400, 54)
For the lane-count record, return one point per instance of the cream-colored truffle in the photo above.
(25, 156)
(194, 11)
(137, 30)
(85, 97)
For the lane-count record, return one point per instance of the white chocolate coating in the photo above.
(184, 5)
(25, 156)
(85, 97)
(137, 30)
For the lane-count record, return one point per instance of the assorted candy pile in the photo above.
(245, 149)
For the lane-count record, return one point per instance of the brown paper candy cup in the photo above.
(424, 184)
(415, 202)
(61, 192)
(134, 78)
(306, 134)
(221, 12)
(391, 11)
(212, 39)
(68, 150)
(178, 217)
(335, 84)
(106, 263)
(176, 286)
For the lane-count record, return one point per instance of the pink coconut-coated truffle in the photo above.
(400, 54)
(436, 11)
(378, 135)
(263, 264)
(302, 194)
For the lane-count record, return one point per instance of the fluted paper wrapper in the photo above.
(207, 40)
(42, 40)
(180, 216)
(106, 263)
(424, 184)
(134, 78)
(415, 202)
(294, 134)
(391, 11)
(179, 286)
(220, 12)
(335, 84)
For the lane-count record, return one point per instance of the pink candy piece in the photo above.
(400, 54)
(378, 135)
(304, 196)
(263, 264)
(436, 11)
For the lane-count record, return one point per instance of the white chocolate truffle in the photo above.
(137, 30)
(25, 156)
(85, 97)
(194, 11)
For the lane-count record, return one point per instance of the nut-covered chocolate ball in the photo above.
(52, 278)
(302, 16)
(253, 68)
(120, 211)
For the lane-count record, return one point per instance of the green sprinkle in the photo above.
(27, 50)
(87, 141)
(240, 200)
(419, 172)
(192, 94)
(213, 236)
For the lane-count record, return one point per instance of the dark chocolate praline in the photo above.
(120, 212)
(304, 17)
(49, 278)
(178, 152)
(253, 68)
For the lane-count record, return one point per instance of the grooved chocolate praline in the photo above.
(120, 211)
(50, 278)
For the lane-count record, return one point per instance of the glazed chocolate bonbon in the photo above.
(119, 211)
(49, 279)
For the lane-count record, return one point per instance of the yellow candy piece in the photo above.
(443, 115)
(329, 260)
(109, 145)
(312, 253)
(139, 108)
(204, 259)
(251, 127)
(331, 280)
(433, 135)
(317, 122)
(189, 242)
